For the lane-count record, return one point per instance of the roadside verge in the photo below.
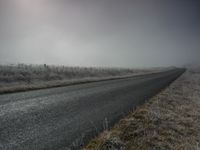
(61, 83)
(169, 120)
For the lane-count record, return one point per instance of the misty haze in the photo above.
(99, 74)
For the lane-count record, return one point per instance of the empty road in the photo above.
(58, 118)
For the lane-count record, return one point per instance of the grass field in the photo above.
(23, 77)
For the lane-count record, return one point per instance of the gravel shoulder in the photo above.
(170, 120)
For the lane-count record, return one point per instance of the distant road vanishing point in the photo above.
(67, 117)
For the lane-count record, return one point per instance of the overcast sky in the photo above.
(120, 33)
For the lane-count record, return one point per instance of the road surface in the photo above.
(64, 117)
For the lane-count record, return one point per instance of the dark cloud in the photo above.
(127, 33)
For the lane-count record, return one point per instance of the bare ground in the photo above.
(170, 120)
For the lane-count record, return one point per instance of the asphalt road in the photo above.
(69, 116)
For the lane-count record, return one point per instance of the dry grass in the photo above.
(169, 121)
(15, 78)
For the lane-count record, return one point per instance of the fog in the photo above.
(109, 33)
